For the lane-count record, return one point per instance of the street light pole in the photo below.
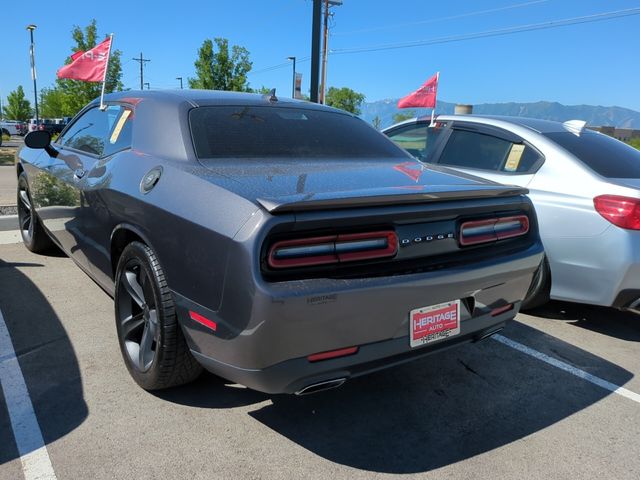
(293, 86)
(180, 78)
(31, 28)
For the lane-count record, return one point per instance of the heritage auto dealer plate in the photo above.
(437, 322)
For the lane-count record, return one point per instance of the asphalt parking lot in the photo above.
(542, 407)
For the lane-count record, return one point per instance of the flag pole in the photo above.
(104, 78)
(433, 112)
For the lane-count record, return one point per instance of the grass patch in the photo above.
(7, 156)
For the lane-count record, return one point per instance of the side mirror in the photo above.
(38, 139)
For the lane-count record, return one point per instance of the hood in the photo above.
(283, 186)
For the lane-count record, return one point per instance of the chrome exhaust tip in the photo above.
(487, 334)
(321, 386)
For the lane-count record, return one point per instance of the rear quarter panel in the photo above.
(186, 219)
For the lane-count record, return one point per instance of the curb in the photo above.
(8, 222)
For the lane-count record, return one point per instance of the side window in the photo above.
(485, 152)
(100, 132)
(87, 133)
(413, 139)
(119, 133)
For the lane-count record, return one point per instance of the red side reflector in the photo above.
(623, 212)
(499, 310)
(343, 352)
(203, 320)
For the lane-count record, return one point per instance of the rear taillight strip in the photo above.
(490, 230)
(333, 249)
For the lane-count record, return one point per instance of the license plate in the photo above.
(437, 322)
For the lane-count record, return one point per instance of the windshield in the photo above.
(604, 155)
(260, 132)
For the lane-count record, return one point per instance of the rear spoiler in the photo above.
(384, 197)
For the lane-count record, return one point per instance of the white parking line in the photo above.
(568, 368)
(36, 463)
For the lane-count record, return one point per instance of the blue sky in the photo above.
(590, 63)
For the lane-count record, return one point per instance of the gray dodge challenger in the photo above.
(282, 245)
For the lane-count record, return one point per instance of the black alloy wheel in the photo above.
(151, 340)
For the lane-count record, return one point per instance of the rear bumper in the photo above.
(291, 376)
(264, 331)
(602, 270)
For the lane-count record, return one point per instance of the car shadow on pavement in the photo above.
(46, 357)
(444, 408)
(210, 391)
(604, 320)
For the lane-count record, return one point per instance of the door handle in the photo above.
(79, 173)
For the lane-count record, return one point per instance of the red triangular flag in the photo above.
(425, 96)
(88, 66)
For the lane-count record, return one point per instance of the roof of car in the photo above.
(199, 98)
(535, 124)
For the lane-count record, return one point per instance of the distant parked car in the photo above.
(585, 187)
(10, 127)
(281, 244)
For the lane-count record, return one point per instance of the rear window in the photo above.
(259, 132)
(604, 155)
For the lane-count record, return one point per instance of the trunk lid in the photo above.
(285, 186)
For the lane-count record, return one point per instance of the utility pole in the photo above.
(180, 78)
(142, 62)
(325, 42)
(315, 49)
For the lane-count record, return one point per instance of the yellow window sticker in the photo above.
(513, 160)
(118, 127)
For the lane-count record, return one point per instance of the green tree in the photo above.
(53, 102)
(69, 96)
(262, 90)
(402, 116)
(376, 122)
(345, 99)
(221, 70)
(17, 107)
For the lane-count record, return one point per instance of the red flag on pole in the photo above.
(89, 66)
(425, 96)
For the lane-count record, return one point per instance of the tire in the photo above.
(34, 236)
(540, 288)
(151, 340)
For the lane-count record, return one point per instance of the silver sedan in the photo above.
(584, 185)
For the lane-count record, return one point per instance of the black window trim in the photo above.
(491, 131)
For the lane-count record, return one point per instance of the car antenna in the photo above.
(271, 96)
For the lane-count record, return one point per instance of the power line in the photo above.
(494, 33)
(442, 19)
(279, 66)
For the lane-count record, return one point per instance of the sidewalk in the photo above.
(8, 184)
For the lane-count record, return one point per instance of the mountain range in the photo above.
(594, 115)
